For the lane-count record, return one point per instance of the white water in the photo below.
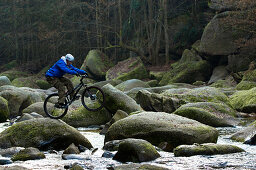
(245, 160)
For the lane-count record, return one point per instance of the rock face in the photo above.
(116, 99)
(205, 149)
(97, 64)
(4, 81)
(28, 154)
(42, 133)
(136, 150)
(160, 127)
(4, 111)
(132, 68)
(209, 113)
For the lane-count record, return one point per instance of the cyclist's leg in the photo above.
(55, 82)
(69, 85)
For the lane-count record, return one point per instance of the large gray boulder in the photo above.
(162, 128)
(42, 133)
(219, 73)
(130, 84)
(245, 134)
(4, 110)
(4, 81)
(35, 107)
(117, 100)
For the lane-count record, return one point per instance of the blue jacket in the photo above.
(60, 68)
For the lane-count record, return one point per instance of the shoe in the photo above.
(60, 105)
(77, 97)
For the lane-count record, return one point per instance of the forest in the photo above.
(34, 33)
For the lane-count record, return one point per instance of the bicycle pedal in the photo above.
(60, 105)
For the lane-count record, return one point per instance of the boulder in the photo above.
(26, 82)
(219, 73)
(13, 74)
(157, 75)
(136, 150)
(189, 69)
(245, 85)
(245, 134)
(132, 68)
(138, 166)
(72, 149)
(244, 100)
(9, 152)
(117, 100)
(37, 107)
(160, 127)
(42, 133)
(97, 64)
(209, 113)
(28, 154)
(4, 81)
(4, 161)
(205, 149)
(130, 84)
(4, 110)
(222, 5)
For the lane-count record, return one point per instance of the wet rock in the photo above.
(136, 150)
(4, 110)
(4, 81)
(116, 99)
(35, 107)
(74, 156)
(43, 133)
(219, 73)
(251, 141)
(130, 84)
(28, 154)
(158, 127)
(246, 135)
(9, 152)
(4, 161)
(108, 154)
(72, 149)
(205, 149)
(137, 167)
(76, 166)
(112, 145)
(15, 167)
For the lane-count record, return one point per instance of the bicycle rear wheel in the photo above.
(51, 110)
(93, 98)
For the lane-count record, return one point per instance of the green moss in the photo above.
(246, 85)
(221, 84)
(243, 98)
(43, 84)
(13, 74)
(4, 111)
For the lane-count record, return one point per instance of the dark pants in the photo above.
(59, 83)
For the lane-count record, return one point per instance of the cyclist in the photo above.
(54, 77)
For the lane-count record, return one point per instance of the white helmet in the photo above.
(69, 57)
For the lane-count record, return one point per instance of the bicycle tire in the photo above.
(93, 98)
(50, 110)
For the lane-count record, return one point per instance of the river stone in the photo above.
(4, 81)
(138, 166)
(117, 100)
(244, 100)
(130, 84)
(4, 161)
(132, 68)
(72, 149)
(136, 150)
(43, 133)
(209, 113)
(245, 134)
(4, 110)
(28, 154)
(15, 167)
(251, 141)
(9, 152)
(35, 107)
(160, 127)
(97, 64)
(245, 85)
(205, 149)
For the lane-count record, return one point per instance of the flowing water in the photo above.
(94, 160)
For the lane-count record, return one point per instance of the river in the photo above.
(94, 160)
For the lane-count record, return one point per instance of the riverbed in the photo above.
(92, 159)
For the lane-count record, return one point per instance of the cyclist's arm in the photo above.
(79, 71)
(63, 67)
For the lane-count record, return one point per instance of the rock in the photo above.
(26, 82)
(222, 5)
(43, 133)
(103, 83)
(219, 73)
(76, 167)
(132, 68)
(13, 74)
(244, 100)
(97, 64)
(209, 113)
(72, 149)
(4, 81)
(43, 84)
(4, 110)
(107, 154)
(245, 85)
(4, 161)
(15, 167)
(138, 167)
(159, 127)
(130, 84)
(157, 75)
(37, 107)
(24, 116)
(81, 117)
(189, 69)
(117, 100)
(205, 149)
(245, 134)
(152, 83)
(251, 141)
(136, 150)
(9, 152)
(112, 145)
(28, 154)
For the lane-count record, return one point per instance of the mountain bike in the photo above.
(92, 99)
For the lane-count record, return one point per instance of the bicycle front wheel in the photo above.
(50, 108)
(93, 98)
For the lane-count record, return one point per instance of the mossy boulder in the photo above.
(28, 154)
(117, 100)
(13, 74)
(206, 149)
(160, 127)
(4, 110)
(71, 149)
(26, 82)
(97, 64)
(246, 85)
(132, 68)
(244, 100)
(209, 113)
(81, 117)
(189, 69)
(37, 107)
(43, 84)
(130, 84)
(219, 73)
(4, 81)
(245, 134)
(42, 133)
(136, 150)
(157, 75)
